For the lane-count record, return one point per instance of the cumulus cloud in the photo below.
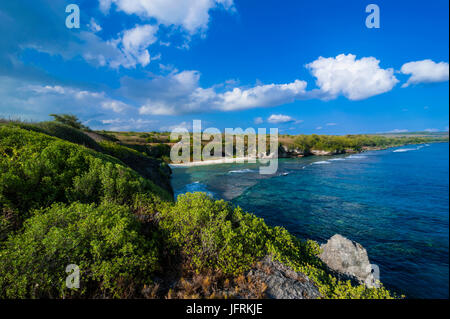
(280, 118)
(114, 105)
(425, 71)
(355, 79)
(94, 26)
(261, 96)
(192, 15)
(31, 100)
(181, 93)
(398, 131)
(132, 124)
(134, 44)
(258, 120)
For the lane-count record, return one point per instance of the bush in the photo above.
(119, 151)
(62, 131)
(68, 119)
(104, 242)
(38, 170)
(214, 237)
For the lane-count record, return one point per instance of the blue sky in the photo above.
(302, 66)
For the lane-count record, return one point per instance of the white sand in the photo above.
(225, 160)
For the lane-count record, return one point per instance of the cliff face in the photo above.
(289, 152)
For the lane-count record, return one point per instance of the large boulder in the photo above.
(282, 282)
(349, 258)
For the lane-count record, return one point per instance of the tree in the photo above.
(70, 120)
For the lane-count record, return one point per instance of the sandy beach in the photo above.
(225, 160)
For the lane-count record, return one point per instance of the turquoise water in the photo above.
(394, 202)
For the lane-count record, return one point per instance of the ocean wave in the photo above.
(337, 159)
(357, 156)
(320, 162)
(402, 150)
(241, 171)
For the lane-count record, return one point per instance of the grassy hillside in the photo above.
(63, 203)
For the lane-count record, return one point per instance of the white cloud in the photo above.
(181, 93)
(94, 26)
(398, 131)
(280, 118)
(29, 100)
(258, 120)
(191, 15)
(431, 130)
(425, 71)
(128, 50)
(115, 106)
(180, 127)
(261, 96)
(319, 128)
(352, 78)
(135, 42)
(331, 124)
(132, 124)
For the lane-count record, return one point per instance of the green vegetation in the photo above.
(104, 241)
(62, 131)
(213, 236)
(357, 143)
(62, 203)
(69, 120)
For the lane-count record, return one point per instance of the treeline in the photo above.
(306, 143)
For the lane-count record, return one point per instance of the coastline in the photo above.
(215, 162)
(319, 153)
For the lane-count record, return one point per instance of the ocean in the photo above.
(394, 202)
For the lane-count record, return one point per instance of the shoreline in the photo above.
(225, 160)
(244, 160)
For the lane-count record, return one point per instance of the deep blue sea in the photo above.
(394, 202)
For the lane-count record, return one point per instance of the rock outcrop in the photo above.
(289, 152)
(282, 282)
(348, 258)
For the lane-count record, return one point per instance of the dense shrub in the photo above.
(38, 170)
(214, 236)
(104, 242)
(150, 168)
(121, 152)
(62, 131)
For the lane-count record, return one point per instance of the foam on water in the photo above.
(241, 171)
(320, 162)
(357, 157)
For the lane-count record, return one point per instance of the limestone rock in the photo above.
(349, 258)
